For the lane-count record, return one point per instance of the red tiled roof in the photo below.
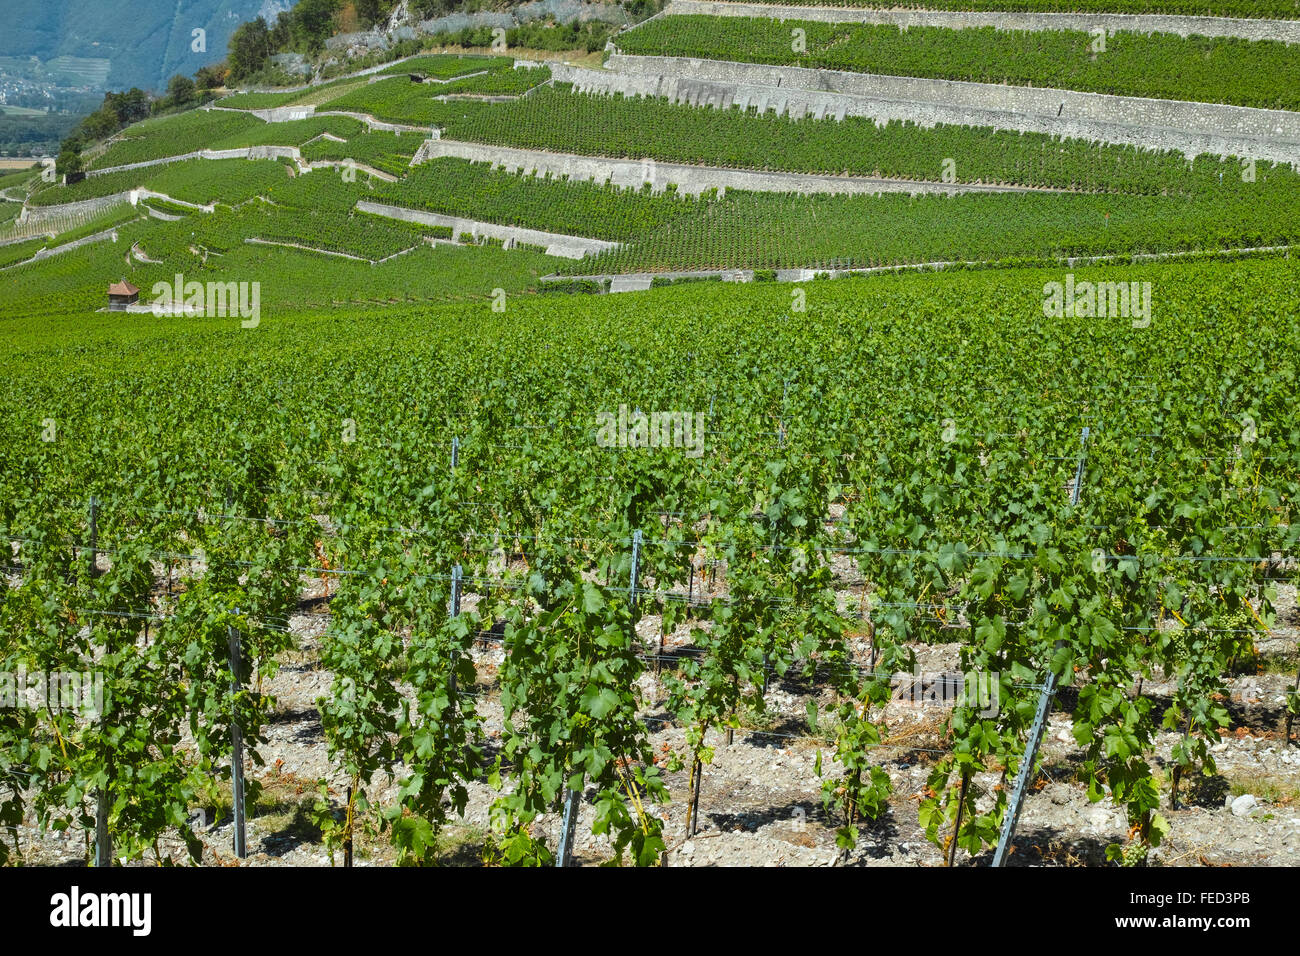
(122, 288)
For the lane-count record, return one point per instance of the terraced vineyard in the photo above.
(272, 100)
(17, 178)
(68, 225)
(195, 180)
(18, 251)
(500, 83)
(174, 136)
(449, 67)
(388, 152)
(1219, 70)
(595, 124)
(460, 559)
(398, 100)
(453, 186)
(315, 212)
(224, 131)
(752, 230)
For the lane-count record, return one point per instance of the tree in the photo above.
(103, 122)
(370, 12)
(69, 160)
(313, 22)
(281, 36)
(209, 77)
(249, 49)
(128, 107)
(181, 90)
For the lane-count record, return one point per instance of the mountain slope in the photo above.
(143, 48)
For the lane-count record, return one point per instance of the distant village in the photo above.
(38, 106)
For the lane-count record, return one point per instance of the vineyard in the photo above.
(223, 130)
(313, 210)
(1263, 74)
(442, 67)
(200, 181)
(459, 187)
(18, 251)
(16, 177)
(764, 230)
(530, 510)
(271, 100)
(593, 124)
(334, 230)
(397, 100)
(290, 279)
(437, 67)
(294, 133)
(970, 515)
(388, 152)
(68, 225)
(500, 83)
(174, 136)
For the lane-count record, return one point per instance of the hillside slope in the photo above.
(142, 49)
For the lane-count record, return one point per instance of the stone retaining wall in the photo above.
(248, 152)
(556, 244)
(36, 215)
(76, 244)
(284, 114)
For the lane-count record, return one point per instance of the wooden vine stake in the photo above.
(693, 811)
(347, 840)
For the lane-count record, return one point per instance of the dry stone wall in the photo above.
(36, 216)
(246, 152)
(555, 244)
